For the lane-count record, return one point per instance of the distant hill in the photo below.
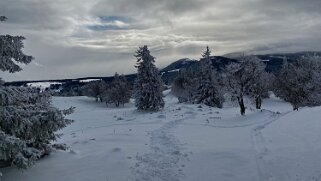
(273, 61)
(170, 72)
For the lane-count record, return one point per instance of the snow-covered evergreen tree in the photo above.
(11, 53)
(28, 121)
(119, 92)
(208, 91)
(148, 85)
(28, 117)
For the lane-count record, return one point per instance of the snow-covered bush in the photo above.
(148, 85)
(28, 121)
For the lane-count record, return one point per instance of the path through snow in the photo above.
(259, 143)
(164, 162)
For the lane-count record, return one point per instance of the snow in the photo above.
(89, 80)
(183, 142)
(175, 70)
(42, 85)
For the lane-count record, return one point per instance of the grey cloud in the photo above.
(71, 39)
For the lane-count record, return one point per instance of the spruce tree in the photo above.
(28, 121)
(208, 91)
(148, 85)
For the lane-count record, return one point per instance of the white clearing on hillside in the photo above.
(183, 142)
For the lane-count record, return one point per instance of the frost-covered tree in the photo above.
(208, 91)
(299, 82)
(148, 85)
(95, 89)
(119, 91)
(28, 121)
(28, 117)
(237, 83)
(247, 77)
(11, 52)
(260, 79)
(183, 86)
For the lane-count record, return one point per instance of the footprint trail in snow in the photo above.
(164, 162)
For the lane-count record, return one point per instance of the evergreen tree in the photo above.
(28, 121)
(148, 85)
(208, 91)
(11, 52)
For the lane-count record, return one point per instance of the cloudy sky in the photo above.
(80, 38)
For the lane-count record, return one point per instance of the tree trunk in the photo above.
(242, 106)
(295, 108)
(258, 102)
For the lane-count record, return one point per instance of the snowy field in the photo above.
(183, 142)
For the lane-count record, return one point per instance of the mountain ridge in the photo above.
(273, 61)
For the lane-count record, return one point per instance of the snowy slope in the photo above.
(183, 142)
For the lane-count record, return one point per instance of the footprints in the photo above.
(162, 163)
(260, 144)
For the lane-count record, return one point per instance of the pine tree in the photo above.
(148, 85)
(208, 91)
(11, 52)
(28, 121)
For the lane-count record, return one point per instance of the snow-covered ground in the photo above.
(183, 142)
